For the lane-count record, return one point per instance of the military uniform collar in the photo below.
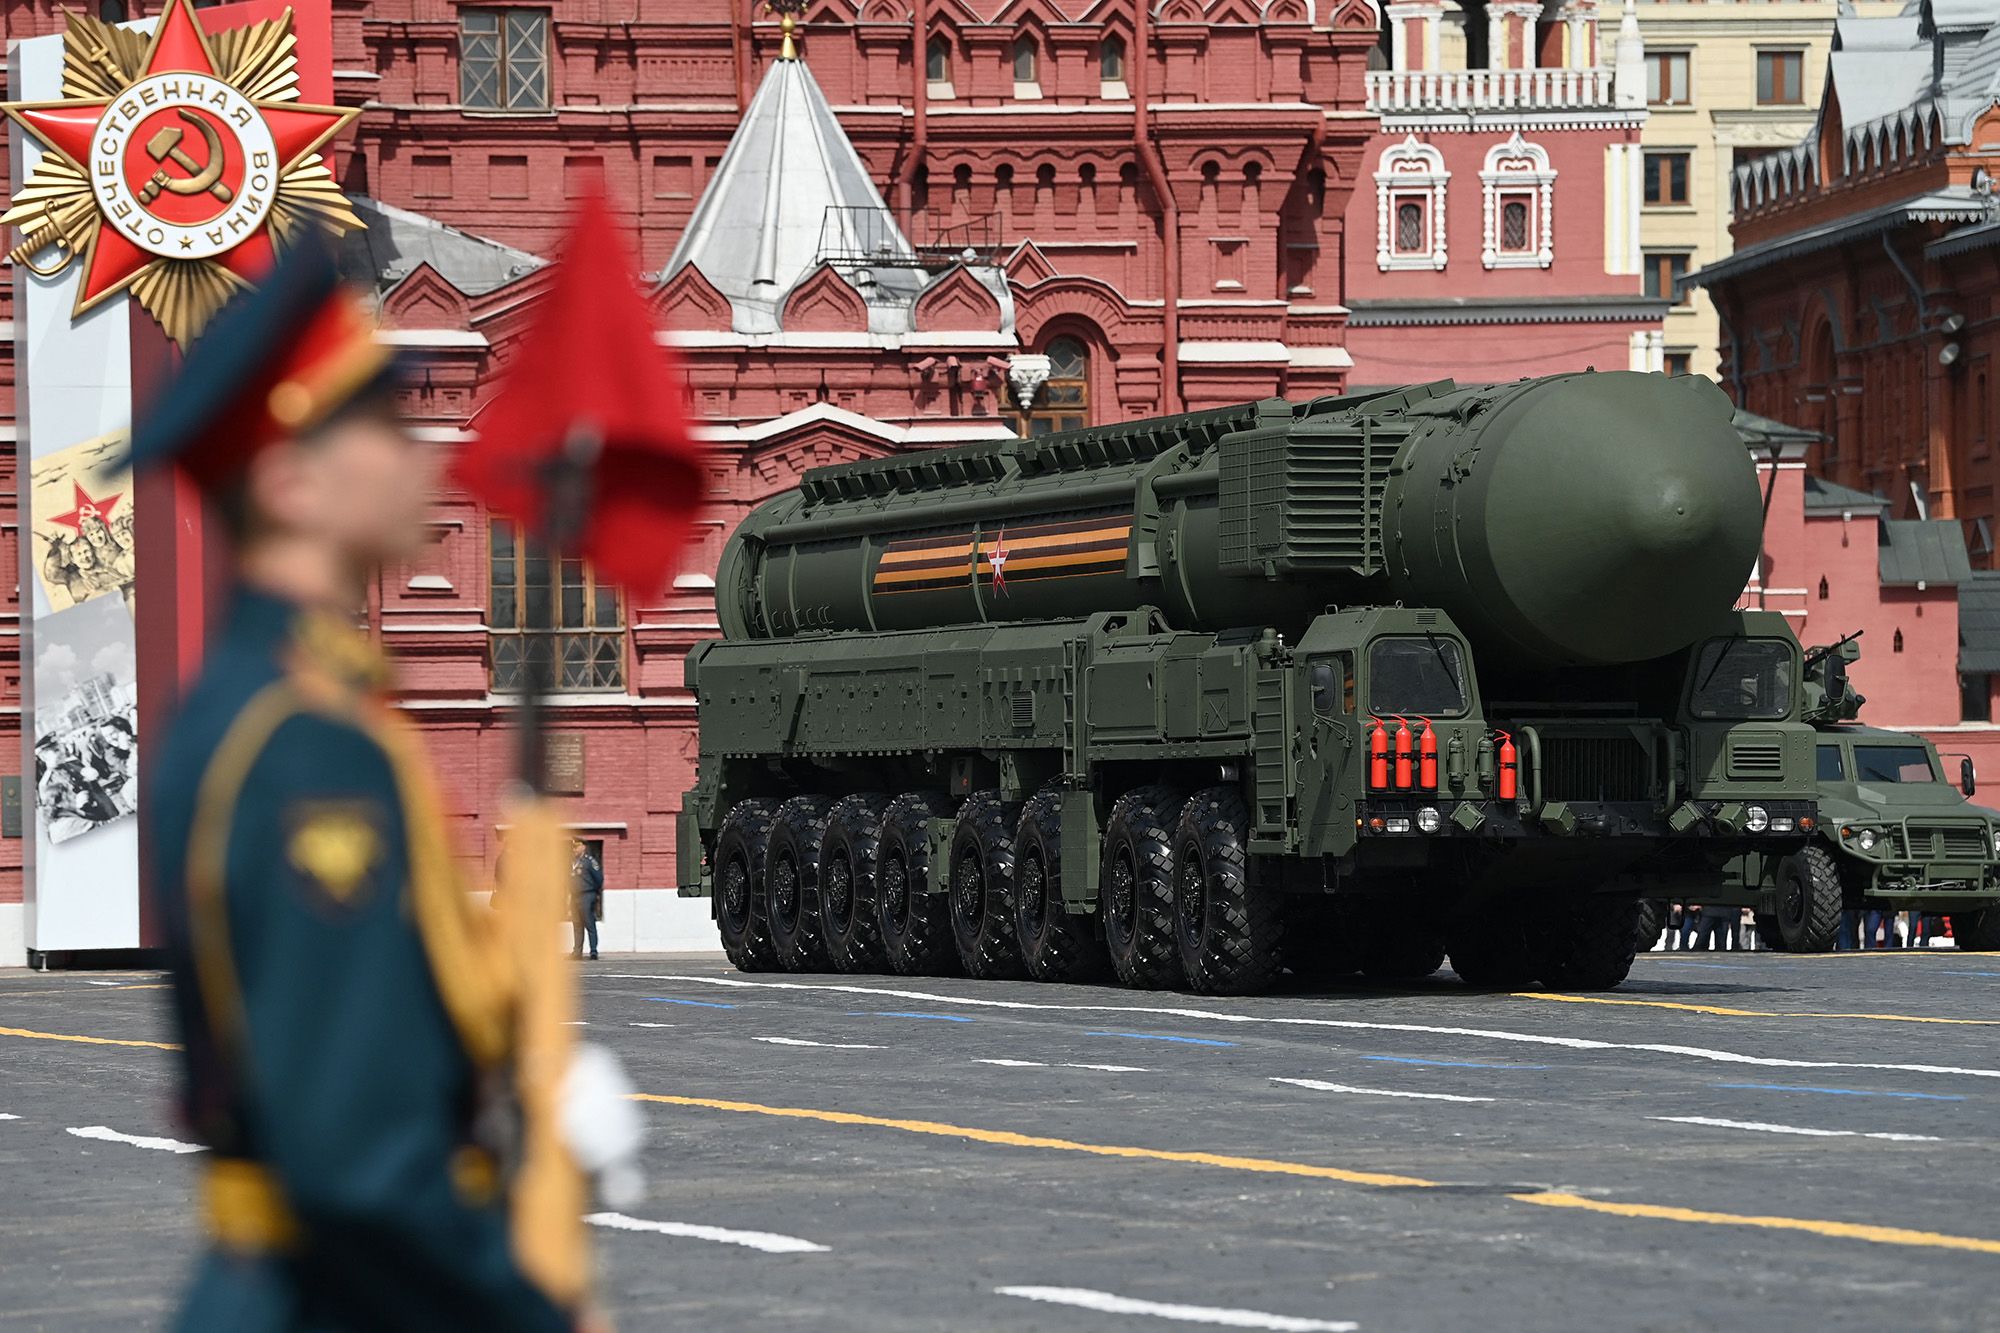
(316, 645)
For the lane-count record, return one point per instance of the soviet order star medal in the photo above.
(175, 164)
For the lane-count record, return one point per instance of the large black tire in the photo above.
(1322, 937)
(1652, 922)
(847, 882)
(1586, 943)
(1135, 891)
(1978, 931)
(1056, 945)
(1809, 901)
(982, 888)
(912, 915)
(1395, 949)
(1231, 932)
(1488, 944)
(741, 917)
(791, 876)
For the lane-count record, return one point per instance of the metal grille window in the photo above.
(586, 648)
(503, 59)
(1514, 225)
(1410, 227)
(1063, 402)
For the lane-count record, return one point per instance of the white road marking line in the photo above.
(576, 1023)
(4, 1116)
(1107, 1303)
(649, 1025)
(1043, 1064)
(110, 1135)
(1797, 1129)
(1317, 1086)
(1353, 1024)
(103, 983)
(770, 1242)
(830, 1045)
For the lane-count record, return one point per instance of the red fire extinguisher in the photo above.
(1378, 756)
(1510, 768)
(1427, 757)
(1404, 753)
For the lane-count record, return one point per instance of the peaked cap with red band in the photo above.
(277, 361)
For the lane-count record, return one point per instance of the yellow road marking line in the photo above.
(1864, 1231)
(89, 1041)
(1840, 1230)
(1749, 1013)
(1009, 1139)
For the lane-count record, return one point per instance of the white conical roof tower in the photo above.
(758, 228)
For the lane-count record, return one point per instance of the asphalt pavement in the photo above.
(1739, 1141)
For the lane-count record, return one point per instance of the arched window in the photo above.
(1111, 59)
(1519, 185)
(1409, 206)
(1061, 402)
(937, 61)
(1027, 61)
(1823, 588)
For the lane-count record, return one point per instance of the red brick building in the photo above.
(995, 216)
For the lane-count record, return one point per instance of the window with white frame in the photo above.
(1409, 207)
(1519, 185)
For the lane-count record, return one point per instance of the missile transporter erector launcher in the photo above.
(1346, 684)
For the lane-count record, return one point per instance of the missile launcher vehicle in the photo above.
(1348, 684)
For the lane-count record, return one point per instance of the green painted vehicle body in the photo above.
(1902, 835)
(1235, 597)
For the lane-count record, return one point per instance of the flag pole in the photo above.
(550, 1192)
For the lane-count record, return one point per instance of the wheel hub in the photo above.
(785, 890)
(967, 889)
(1121, 893)
(838, 881)
(1034, 906)
(735, 895)
(893, 885)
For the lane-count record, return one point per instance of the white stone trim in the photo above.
(13, 935)
(1223, 351)
(1410, 167)
(431, 338)
(1338, 358)
(1511, 168)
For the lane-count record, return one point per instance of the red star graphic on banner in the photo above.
(181, 171)
(997, 558)
(86, 507)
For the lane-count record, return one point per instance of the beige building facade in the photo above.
(1726, 81)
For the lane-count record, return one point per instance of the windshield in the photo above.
(1740, 679)
(1830, 767)
(1893, 763)
(1416, 677)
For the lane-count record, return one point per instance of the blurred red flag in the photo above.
(590, 369)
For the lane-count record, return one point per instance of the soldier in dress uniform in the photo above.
(347, 1026)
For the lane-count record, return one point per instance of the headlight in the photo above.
(1398, 824)
(1756, 818)
(1865, 840)
(1428, 819)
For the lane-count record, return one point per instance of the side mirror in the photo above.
(1325, 679)
(1967, 782)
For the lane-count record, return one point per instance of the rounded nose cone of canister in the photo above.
(1623, 517)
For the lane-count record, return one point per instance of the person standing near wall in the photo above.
(586, 879)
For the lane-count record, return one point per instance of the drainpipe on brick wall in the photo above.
(1170, 213)
(920, 96)
(739, 51)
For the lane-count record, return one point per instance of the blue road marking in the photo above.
(1843, 1092)
(1451, 1064)
(1157, 1036)
(897, 1013)
(1719, 967)
(696, 1004)
(1954, 972)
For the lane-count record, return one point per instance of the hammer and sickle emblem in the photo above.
(165, 147)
